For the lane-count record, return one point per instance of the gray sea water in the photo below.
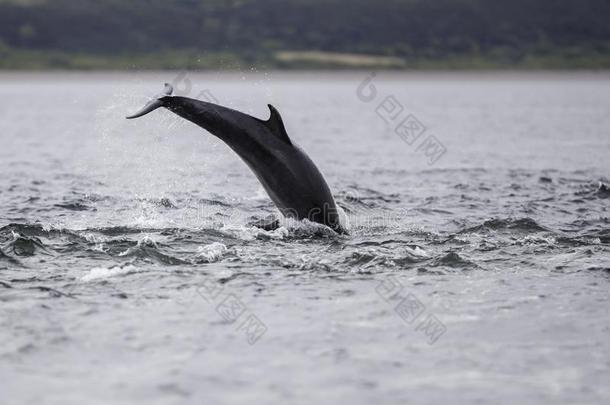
(477, 269)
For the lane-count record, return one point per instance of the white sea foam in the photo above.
(147, 240)
(98, 273)
(248, 233)
(212, 252)
(304, 227)
(417, 251)
(343, 218)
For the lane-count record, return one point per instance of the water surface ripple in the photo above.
(121, 243)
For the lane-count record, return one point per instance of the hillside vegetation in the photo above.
(304, 33)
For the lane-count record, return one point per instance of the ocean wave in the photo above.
(574, 241)
(525, 225)
(288, 229)
(163, 202)
(305, 229)
(100, 273)
(548, 240)
(453, 260)
(594, 190)
(21, 245)
(603, 190)
(26, 246)
(148, 250)
(75, 206)
(7, 259)
(402, 257)
(210, 253)
(364, 198)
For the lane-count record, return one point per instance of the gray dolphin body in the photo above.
(289, 176)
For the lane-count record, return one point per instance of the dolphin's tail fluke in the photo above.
(154, 103)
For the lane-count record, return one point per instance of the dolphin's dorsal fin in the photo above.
(276, 125)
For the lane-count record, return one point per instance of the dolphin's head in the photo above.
(155, 103)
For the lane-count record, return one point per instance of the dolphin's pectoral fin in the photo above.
(276, 125)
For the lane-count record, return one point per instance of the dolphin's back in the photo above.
(290, 177)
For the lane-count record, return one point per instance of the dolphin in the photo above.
(288, 175)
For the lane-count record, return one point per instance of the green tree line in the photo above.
(415, 33)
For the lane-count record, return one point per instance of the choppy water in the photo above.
(129, 274)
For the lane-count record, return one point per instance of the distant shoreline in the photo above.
(36, 60)
(352, 76)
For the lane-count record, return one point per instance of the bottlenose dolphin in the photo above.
(291, 179)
